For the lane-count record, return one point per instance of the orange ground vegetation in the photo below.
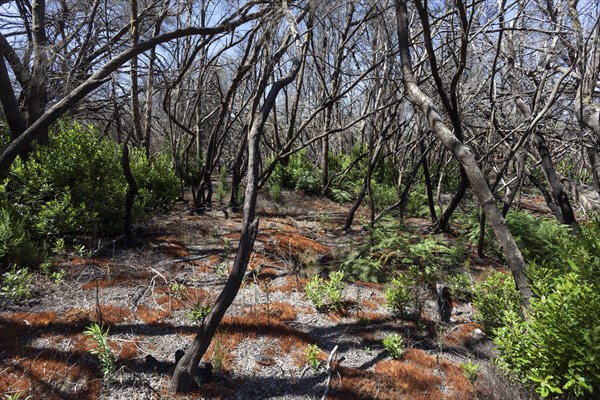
(267, 320)
(291, 244)
(150, 315)
(187, 298)
(266, 266)
(119, 277)
(35, 371)
(419, 376)
(292, 283)
(171, 246)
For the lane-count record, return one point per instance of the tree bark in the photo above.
(464, 155)
(37, 93)
(138, 134)
(16, 122)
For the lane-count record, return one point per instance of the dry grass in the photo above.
(291, 245)
(171, 246)
(417, 377)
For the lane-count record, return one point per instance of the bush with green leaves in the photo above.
(460, 286)
(471, 371)
(493, 297)
(299, 174)
(384, 195)
(312, 354)
(399, 293)
(326, 294)
(76, 186)
(390, 248)
(558, 347)
(198, 313)
(394, 345)
(348, 171)
(16, 244)
(16, 284)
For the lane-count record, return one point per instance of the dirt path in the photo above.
(260, 350)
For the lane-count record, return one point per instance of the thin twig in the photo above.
(329, 369)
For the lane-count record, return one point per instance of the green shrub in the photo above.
(76, 185)
(312, 354)
(399, 293)
(541, 240)
(416, 204)
(389, 249)
(326, 294)
(298, 174)
(558, 346)
(158, 184)
(460, 286)
(16, 245)
(383, 195)
(99, 336)
(471, 371)
(16, 284)
(393, 344)
(494, 297)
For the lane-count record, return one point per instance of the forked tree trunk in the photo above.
(183, 376)
(464, 155)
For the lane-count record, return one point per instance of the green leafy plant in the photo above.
(326, 294)
(471, 371)
(316, 290)
(56, 276)
(390, 248)
(399, 293)
(541, 240)
(558, 347)
(15, 396)
(312, 353)
(494, 297)
(16, 244)
(75, 186)
(99, 336)
(394, 345)
(177, 290)
(59, 246)
(198, 313)
(298, 174)
(460, 286)
(334, 289)
(16, 284)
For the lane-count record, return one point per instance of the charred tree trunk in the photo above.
(15, 120)
(132, 190)
(558, 191)
(428, 185)
(183, 376)
(138, 134)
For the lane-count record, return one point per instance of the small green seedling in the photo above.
(393, 344)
